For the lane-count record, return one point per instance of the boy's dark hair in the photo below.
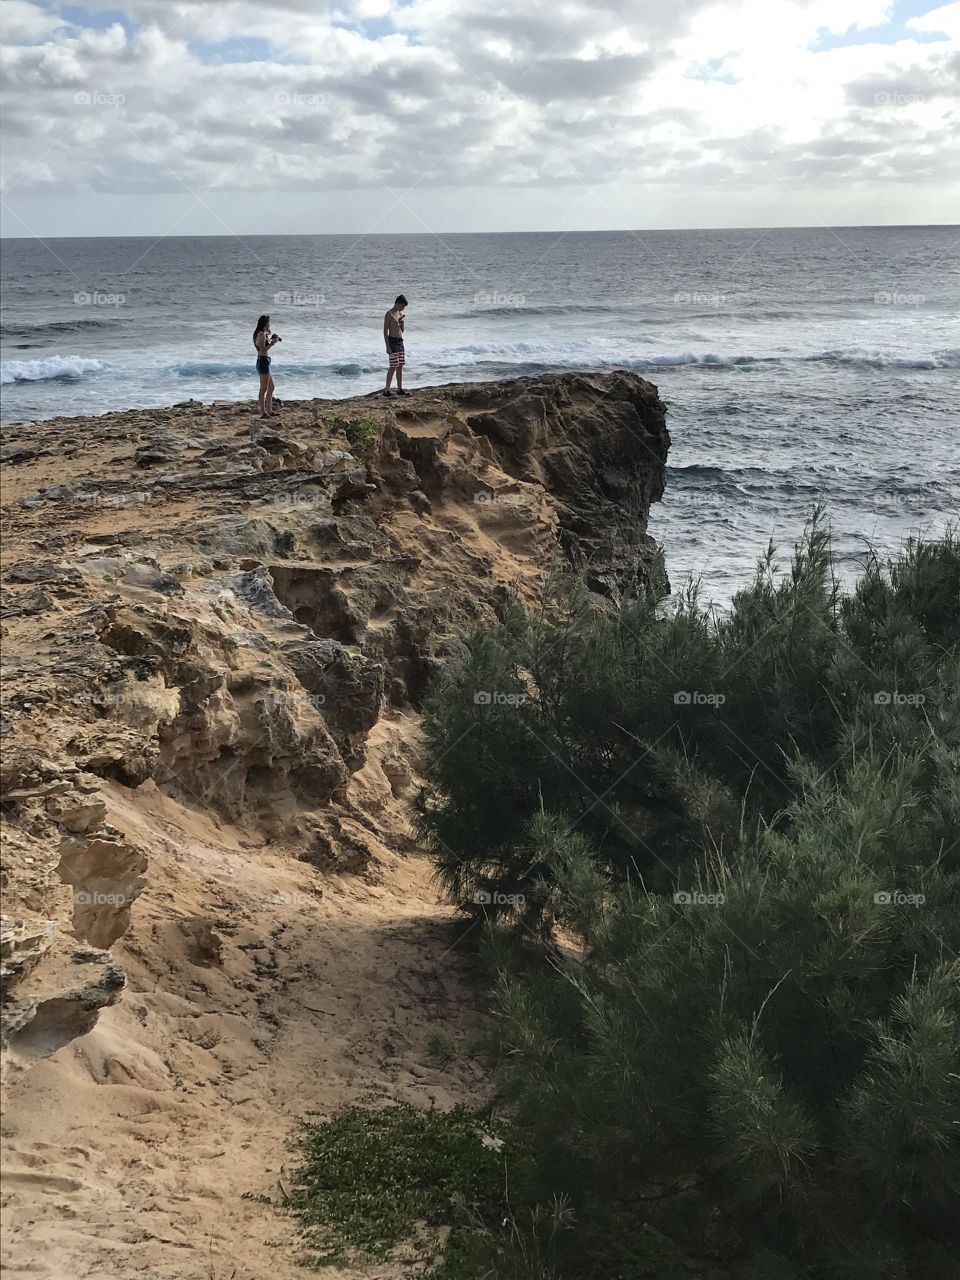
(401, 301)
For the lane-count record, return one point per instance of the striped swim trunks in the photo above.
(396, 352)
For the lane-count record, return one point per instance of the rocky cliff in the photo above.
(216, 634)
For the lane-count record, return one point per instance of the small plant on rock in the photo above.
(361, 433)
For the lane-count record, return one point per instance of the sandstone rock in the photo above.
(56, 1001)
(107, 876)
(148, 577)
(204, 944)
(116, 752)
(337, 847)
(248, 621)
(18, 454)
(22, 947)
(27, 603)
(108, 567)
(77, 811)
(47, 571)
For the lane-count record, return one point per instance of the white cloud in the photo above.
(695, 98)
(25, 21)
(946, 19)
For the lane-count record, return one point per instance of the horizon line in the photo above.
(546, 231)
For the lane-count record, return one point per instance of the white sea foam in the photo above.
(53, 368)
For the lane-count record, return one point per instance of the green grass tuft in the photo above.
(371, 1181)
(361, 433)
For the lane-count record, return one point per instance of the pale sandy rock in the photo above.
(217, 636)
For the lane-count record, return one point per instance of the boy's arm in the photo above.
(386, 328)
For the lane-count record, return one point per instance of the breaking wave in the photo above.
(52, 369)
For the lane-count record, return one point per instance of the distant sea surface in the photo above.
(797, 365)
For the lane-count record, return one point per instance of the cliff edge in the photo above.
(216, 635)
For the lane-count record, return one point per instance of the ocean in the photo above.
(798, 365)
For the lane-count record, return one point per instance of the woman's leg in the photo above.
(265, 379)
(268, 399)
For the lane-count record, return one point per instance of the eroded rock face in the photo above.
(242, 615)
(106, 874)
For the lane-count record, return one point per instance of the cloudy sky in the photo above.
(150, 117)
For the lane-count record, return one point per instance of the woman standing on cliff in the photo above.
(263, 340)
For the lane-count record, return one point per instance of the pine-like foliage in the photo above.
(655, 736)
(746, 1021)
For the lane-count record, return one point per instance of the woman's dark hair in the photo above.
(261, 325)
(401, 301)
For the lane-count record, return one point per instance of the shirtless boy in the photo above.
(393, 340)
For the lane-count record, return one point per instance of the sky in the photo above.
(219, 117)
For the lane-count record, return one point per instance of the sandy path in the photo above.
(131, 1151)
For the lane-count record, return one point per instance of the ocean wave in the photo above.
(508, 310)
(690, 357)
(946, 358)
(573, 356)
(565, 355)
(498, 349)
(51, 328)
(703, 471)
(52, 369)
(653, 312)
(706, 482)
(229, 369)
(500, 368)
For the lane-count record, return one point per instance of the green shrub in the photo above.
(361, 433)
(724, 934)
(441, 1047)
(419, 1186)
(655, 737)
